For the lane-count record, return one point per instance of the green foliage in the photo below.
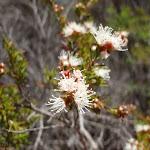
(143, 135)
(141, 54)
(49, 75)
(13, 115)
(11, 118)
(17, 63)
(138, 88)
(136, 22)
(143, 138)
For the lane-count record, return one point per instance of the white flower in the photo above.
(123, 33)
(67, 58)
(73, 27)
(76, 87)
(74, 60)
(63, 55)
(140, 127)
(103, 72)
(93, 48)
(108, 40)
(146, 127)
(82, 96)
(90, 26)
(131, 144)
(65, 63)
(67, 84)
(64, 58)
(77, 74)
(58, 104)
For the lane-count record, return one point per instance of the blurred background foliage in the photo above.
(137, 23)
(134, 17)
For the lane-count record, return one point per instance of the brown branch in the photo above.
(33, 107)
(77, 128)
(86, 133)
(39, 134)
(81, 137)
(34, 129)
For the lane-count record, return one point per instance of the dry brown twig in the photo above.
(32, 129)
(37, 142)
(86, 133)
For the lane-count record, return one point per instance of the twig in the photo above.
(38, 18)
(81, 137)
(86, 133)
(111, 119)
(114, 130)
(39, 134)
(44, 145)
(31, 130)
(33, 107)
(77, 128)
(69, 7)
(100, 139)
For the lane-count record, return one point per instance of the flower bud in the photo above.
(2, 65)
(95, 105)
(96, 100)
(61, 8)
(124, 107)
(56, 9)
(120, 108)
(93, 48)
(2, 70)
(56, 5)
(80, 5)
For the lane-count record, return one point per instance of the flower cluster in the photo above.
(68, 59)
(72, 86)
(80, 5)
(108, 40)
(132, 144)
(77, 92)
(76, 28)
(58, 8)
(72, 28)
(90, 26)
(102, 72)
(140, 128)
